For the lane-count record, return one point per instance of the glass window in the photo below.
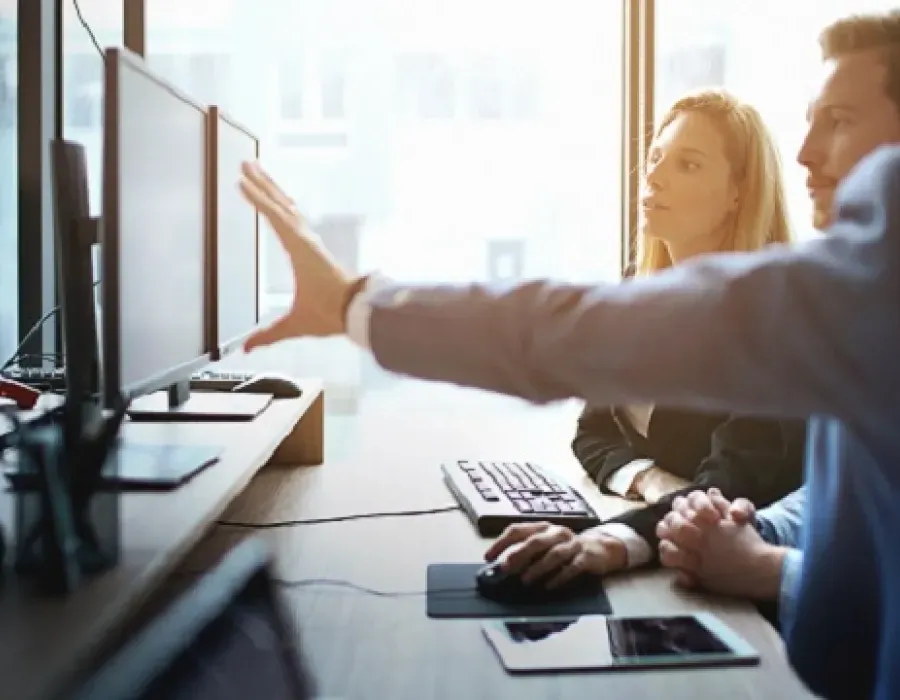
(476, 140)
(720, 42)
(9, 182)
(83, 81)
(290, 88)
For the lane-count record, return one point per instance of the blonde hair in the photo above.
(761, 216)
(863, 32)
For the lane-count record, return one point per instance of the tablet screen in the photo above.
(617, 642)
(641, 637)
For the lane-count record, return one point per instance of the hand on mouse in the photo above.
(536, 550)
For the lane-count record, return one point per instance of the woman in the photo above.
(713, 183)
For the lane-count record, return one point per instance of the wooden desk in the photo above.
(363, 647)
(43, 642)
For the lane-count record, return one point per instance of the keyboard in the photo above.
(497, 494)
(211, 380)
(55, 379)
(40, 378)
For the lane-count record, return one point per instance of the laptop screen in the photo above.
(239, 655)
(227, 638)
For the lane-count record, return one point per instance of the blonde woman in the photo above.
(712, 183)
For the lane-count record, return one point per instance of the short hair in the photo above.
(863, 32)
(755, 162)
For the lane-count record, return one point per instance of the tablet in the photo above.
(612, 643)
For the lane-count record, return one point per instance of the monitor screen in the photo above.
(236, 232)
(154, 230)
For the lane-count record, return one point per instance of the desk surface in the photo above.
(44, 641)
(362, 646)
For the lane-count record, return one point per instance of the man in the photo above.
(809, 330)
(857, 109)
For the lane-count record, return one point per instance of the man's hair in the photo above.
(863, 32)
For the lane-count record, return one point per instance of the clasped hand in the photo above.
(713, 545)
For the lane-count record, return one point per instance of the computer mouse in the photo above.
(279, 385)
(493, 583)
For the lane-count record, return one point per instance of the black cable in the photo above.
(343, 583)
(340, 583)
(337, 518)
(34, 329)
(88, 29)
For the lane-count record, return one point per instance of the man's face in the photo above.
(850, 117)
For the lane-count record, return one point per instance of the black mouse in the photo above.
(500, 586)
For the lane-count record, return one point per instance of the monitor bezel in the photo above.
(113, 389)
(222, 347)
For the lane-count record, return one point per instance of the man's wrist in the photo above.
(612, 553)
(771, 563)
(350, 292)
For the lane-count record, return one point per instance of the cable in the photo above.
(34, 329)
(337, 518)
(88, 29)
(340, 583)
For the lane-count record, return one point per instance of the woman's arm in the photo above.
(601, 447)
(753, 458)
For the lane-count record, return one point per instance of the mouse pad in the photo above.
(452, 594)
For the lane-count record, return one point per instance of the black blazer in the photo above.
(755, 458)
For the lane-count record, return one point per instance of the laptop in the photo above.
(226, 638)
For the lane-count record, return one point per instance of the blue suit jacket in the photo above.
(805, 331)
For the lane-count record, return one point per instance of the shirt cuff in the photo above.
(637, 550)
(791, 569)
(621, 480)
(360, 310)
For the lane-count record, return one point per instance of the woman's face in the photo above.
(689, 193)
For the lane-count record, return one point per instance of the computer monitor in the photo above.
(156, 281)
(76, 234)
(155, 465)
(234, 239)
(225, 638)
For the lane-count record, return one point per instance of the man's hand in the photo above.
(320, 285)
(713, 545)
(538, 550)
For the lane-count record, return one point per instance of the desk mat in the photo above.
(452, 594)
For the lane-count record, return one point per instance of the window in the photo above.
(9, 183)
(84, 91)
(476, 148)
(718, 42)
(290, 88)
(333, 73)
(83, 82)
(312, 99)
(426, 86)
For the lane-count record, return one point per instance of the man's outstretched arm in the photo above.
(786, 331)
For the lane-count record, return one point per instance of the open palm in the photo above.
(320, 284)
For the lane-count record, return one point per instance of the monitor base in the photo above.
(199, 406)
(136, 466)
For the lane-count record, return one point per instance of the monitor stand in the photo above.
(143, 466)
(136, 466)
(179, 404)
